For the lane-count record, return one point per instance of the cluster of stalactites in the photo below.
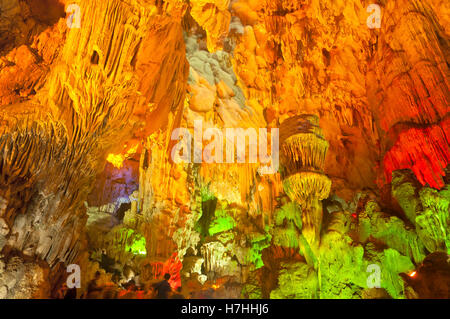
(305, 187)
(304, 151)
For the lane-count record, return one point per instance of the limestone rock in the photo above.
(296, 280)
(86, 122)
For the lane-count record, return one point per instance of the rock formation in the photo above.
(303, 151)
(99, 100)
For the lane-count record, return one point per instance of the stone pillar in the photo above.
(302, 155)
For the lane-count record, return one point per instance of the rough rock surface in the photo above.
(115, 90)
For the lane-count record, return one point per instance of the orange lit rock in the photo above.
(85, 93)
(74, 104)
(213, 16)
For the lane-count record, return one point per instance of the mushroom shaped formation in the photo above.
(303, 150)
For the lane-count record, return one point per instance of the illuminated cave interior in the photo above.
(282, 149)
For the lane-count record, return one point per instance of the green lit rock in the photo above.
(122, 244)
(126, 240)
(426, 208)
(289, 212)
(339, 222)
(342, 269)
(296, 281)
(288, 236)
(136, 245)
(393, 263)
(433, 223)
(371, 253)
(258, 243)
(390, 230)
(288, 225)
(221, 224)
(205, 220)
(226, 238)
(213, 221)
(404, 186)
(207, 194)
(251, 291)
(208, 204)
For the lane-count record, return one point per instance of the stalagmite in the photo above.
(303, 155)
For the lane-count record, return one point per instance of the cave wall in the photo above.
(56, 142)
(137, 70)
